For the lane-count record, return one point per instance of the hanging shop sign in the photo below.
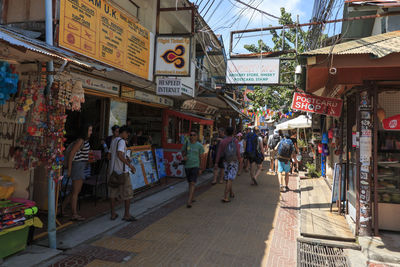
(97, 84)
(392, 123)
(173, 56)
(99, 30)
(127, 92)
(169, 86)
(253, 71)
(118, 114)
(187, 83)
(196, 106)
(317, 104)
(140, 95)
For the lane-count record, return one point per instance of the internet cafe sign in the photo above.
(169, 86)
(253, 71)
(317, 104)
(173, 56)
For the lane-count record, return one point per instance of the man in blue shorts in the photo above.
(285, 151)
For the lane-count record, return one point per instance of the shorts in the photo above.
(192, 174)
(283, 167)
(78, 170)
(220, 163)
(257, 160)
(230, 170)
(125, 191)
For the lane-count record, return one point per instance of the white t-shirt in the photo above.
(115, 163)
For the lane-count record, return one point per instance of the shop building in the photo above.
(364, 73)
(116, 71)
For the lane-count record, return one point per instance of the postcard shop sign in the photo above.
(98, 30)
(317, 104)
(173, 56)
(253, 71)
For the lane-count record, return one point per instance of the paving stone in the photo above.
(100, 253)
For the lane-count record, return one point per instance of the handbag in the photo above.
(115, 180)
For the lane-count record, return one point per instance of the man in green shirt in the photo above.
(192, 152)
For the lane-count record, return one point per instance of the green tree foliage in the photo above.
(279, 97)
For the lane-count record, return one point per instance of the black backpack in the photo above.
(274, 142)
(285, 148)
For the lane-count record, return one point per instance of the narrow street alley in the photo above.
(211, 233)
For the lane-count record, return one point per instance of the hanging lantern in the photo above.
(381, 114)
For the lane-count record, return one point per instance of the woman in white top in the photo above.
(241, 145)
(77, 162)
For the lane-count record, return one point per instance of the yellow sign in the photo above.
(97, 29)
(127, 92)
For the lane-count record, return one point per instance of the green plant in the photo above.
(301, 143)
(312, 170)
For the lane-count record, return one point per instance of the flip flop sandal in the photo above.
(130, 219)
(225, 201)
(77, 218)
(188, 206)
(113, 218)
(213, 183)
(254, 181)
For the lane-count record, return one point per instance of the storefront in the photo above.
(368, 127)
(176, 129)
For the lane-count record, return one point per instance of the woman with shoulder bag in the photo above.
(77, 161)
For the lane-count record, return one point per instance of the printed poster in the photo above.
(99, 30)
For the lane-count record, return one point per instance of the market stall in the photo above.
(176, 129)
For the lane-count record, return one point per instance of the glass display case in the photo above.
(389, 167)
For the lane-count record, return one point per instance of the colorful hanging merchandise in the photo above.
(70, 94)
(8, 81)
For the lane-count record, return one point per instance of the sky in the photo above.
(229, 15)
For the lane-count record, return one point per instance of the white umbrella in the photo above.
(301, 121)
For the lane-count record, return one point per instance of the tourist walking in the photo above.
(192, 152)
(239, 136)
(120, 185)
(285, 150)
(218, 165)
(273, 141)
(255, 153)
(229, 153)
(77, 161)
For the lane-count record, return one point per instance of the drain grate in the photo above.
(314, 255)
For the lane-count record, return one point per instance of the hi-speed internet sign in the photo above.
(253, 71)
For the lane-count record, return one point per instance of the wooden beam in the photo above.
(5, 12)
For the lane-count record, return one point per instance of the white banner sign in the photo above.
(253, 71)
(97, 84)
(169, 86)
(173, 56)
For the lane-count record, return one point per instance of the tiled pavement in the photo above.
(283, 251)
(209, 234)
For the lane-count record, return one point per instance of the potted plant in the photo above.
(312, 170)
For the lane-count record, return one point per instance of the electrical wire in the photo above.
(256, 8)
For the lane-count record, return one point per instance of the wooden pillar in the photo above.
(375, 159)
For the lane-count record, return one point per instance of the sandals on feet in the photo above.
(129, 219)
(77, 218)
(114, 217)
(254, 181)
(225, 201)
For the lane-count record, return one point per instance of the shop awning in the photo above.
(231, 104)
(301, 121)
(377, 45)
(24, 44)
(190, 116)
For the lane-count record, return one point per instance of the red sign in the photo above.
(391, 123)
(317, 104)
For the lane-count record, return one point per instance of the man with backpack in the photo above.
(285, 149)
(255, 153)
(229, 152)
(273, 141)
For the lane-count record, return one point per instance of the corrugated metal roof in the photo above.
(19, 40)
(378, 45)
(380, 3)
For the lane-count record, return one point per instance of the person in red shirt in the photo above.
(229, 150)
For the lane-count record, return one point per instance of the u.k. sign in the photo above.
(317, 104)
